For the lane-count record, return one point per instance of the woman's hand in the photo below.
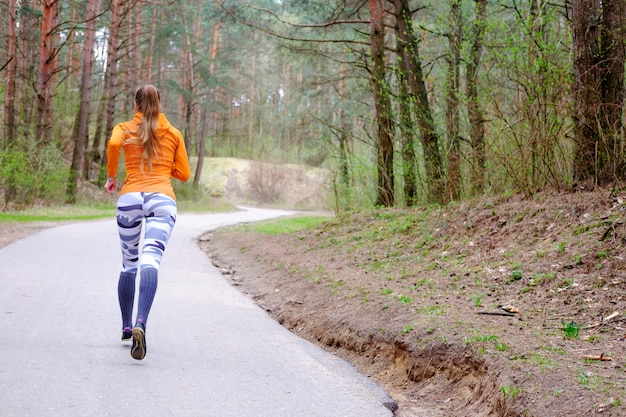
(111, 185)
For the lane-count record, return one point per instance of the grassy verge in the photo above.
(282, 225)
(57, 213)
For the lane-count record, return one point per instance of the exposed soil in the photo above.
(10, 232)
(416, 299)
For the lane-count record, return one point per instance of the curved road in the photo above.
(211, 351)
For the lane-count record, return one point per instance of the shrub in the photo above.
(265, 182)
(30, 172)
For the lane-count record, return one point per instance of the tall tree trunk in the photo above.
(94, 154)
(599, 88)
(189, 82)
(430, 140)
(213, 56)
(344, 166)
(152, 40)
(82, 120)
(382, 104)
(406, 100)
(71, 40)
(612, 86)
(113, 51)
(28, 48)
(586, 46)
(253, 105)
(454, 178)
(47, 66)
(9, 106)
(476, 120)
(138, 67)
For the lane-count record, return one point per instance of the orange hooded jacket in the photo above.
(171, 159)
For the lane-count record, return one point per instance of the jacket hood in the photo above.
(164, 124)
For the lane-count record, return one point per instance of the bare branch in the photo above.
(284, 37)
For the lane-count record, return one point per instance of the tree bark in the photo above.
(84, 111)
(612, 86)
(28, 46)
(430, 140)
(476, 119)
(113, 50)
(152, 40)
(344, 166)
(47, 67)
(454, 179)
(599, 89)
(213, 56)
(406, 100)
(382, 104)
(9, 106)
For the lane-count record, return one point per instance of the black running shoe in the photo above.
(138, 351)
(127, 335)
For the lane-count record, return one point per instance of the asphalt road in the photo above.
(211, 352)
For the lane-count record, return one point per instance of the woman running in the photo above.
(154, 152)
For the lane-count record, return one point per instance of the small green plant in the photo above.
(552, 349)
(571, 329)
(478, 300)
(432, 310)
(578, 260)
(544, 362)
(501, 347)
(403, 299)
(483, 338)
(585, 378)
(558, 392)
(516, 275)
(509, 390)
(602, 254)
(386, 291)
(561, 247)
(407, 329)
(337, 283)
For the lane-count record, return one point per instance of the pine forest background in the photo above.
(404, 102)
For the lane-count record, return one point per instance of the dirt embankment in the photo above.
(416, 299)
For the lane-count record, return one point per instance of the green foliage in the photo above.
(516, 275)
(571, 329)
(479, 339)
(510, 391)
(29, 173)
(478, 300)
(403, 299)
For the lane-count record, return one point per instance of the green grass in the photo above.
(58, 213)
(283, 225)
(510, 391)
(571, 329)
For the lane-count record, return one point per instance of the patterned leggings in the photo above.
(159, 212)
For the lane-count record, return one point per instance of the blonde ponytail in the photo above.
(147, 99)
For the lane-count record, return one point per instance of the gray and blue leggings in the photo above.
(155, 213)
